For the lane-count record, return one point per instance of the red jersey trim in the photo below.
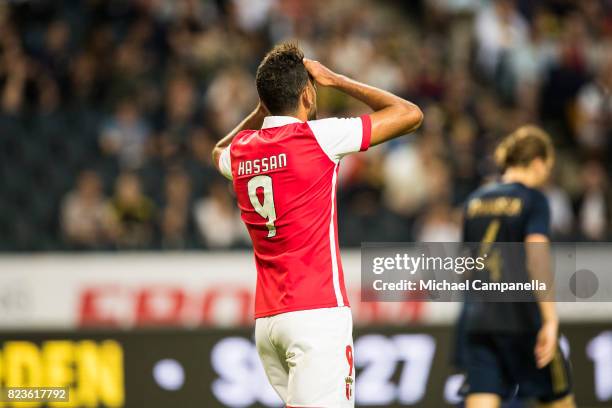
(298, 308)
(366, 124)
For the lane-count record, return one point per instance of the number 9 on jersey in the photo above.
(265, 209)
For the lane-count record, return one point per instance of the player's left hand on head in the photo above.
(320, 73)
(546, 344)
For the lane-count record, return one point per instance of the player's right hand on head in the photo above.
(320, 73)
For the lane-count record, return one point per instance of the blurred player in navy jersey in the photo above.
(511, 349)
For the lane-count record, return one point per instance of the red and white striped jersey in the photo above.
(284, 176)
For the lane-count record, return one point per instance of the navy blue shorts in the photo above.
(504, 364)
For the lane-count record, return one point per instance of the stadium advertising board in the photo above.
(220, 367)
(181, 290)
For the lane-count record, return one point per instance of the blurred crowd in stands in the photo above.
(109, 110)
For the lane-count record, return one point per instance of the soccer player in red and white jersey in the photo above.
(284, 167)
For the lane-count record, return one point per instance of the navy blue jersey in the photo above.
(520, 210)
(504, 212)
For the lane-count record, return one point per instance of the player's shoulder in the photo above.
(336, 128)
(536, 194)
(242, 139)
(487, 189)
(244, 135)
(530, 194)
(506, 189)
(537, 198)
(332, 123)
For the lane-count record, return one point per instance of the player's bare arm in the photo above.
(538, 266)
(393, 116)
(253, 121)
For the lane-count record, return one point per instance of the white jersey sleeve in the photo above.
(225, 163)
(341, 136)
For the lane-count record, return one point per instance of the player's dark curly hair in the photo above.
(281, 78)
(522, 146)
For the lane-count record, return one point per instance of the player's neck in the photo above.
(301, 114)
(519, 175)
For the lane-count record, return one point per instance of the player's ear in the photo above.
(308, 97)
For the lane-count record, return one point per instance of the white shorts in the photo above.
(308, 356)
